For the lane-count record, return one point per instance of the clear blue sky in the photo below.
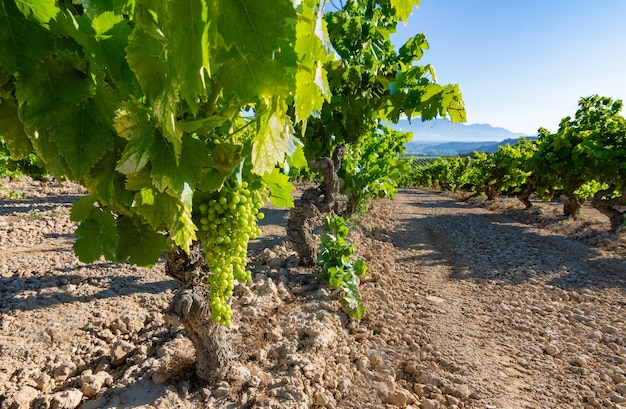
(522, 65)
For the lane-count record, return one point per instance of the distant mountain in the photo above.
(440, 137)
(456, 148)
(442, 130)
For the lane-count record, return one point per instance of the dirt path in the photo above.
(469, 306)
(526, 317)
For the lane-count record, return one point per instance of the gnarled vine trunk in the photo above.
(190, 308)
(524, 197)
(606, 207)
(303, 219)
(571, 208)
(309, 209)
(492, 191)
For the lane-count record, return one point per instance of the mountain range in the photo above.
(441, 137)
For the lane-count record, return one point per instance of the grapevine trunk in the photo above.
(524, 197)
(572, 207)
(190, 309)
(308, 210)
(606, 207)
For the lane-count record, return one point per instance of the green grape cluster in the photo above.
(228, 220)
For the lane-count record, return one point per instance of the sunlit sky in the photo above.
(522, 65)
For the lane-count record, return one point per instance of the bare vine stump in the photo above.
(492, 192)
(190, 309)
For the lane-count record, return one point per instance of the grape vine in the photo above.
(583, 161)
(339, 269)
(157, 108)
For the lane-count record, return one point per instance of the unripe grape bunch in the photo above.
(228, 220)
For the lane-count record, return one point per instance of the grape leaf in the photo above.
(188, 47)
(404, 8)
(164, 212)
(183, 230)
(274, 138)
(211, 180)
(42, 10)
(145, 56)
(98, 235)
(94, 8)
(165, 109)
(132, 123)
(85, 137)
(308, 96)
(280, 188)
(258, 50)
(23, 43)
(111, 34)
(13, 131)
(165, 171)
(310, 78)
(226, 157)
(158, 209)
(144, 201)
(81, 209)
(77, 123)
(413, 49)
(104, 40)
(102, 179)
(139, 243)
(297, 159)
(48, 152)
(53, 74)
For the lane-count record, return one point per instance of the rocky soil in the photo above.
(470, 305)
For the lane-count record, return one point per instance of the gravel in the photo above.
(470, 305)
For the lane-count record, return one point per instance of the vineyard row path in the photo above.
(512, 314)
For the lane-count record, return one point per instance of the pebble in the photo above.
(430, 403)
(581, 360)
(67, 399)
(119, 351)
(552, 350)
(23, 398)
(92, 384)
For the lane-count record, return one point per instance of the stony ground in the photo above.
(470, 305)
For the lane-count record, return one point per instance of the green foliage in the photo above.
(587, 152)
(373, 167)
(413, 174)
(338, 267)
(152, 106)
(14, 169)
(419, 161)
(372, 82)
(445, 173)
(503, 171)
(585, 159)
